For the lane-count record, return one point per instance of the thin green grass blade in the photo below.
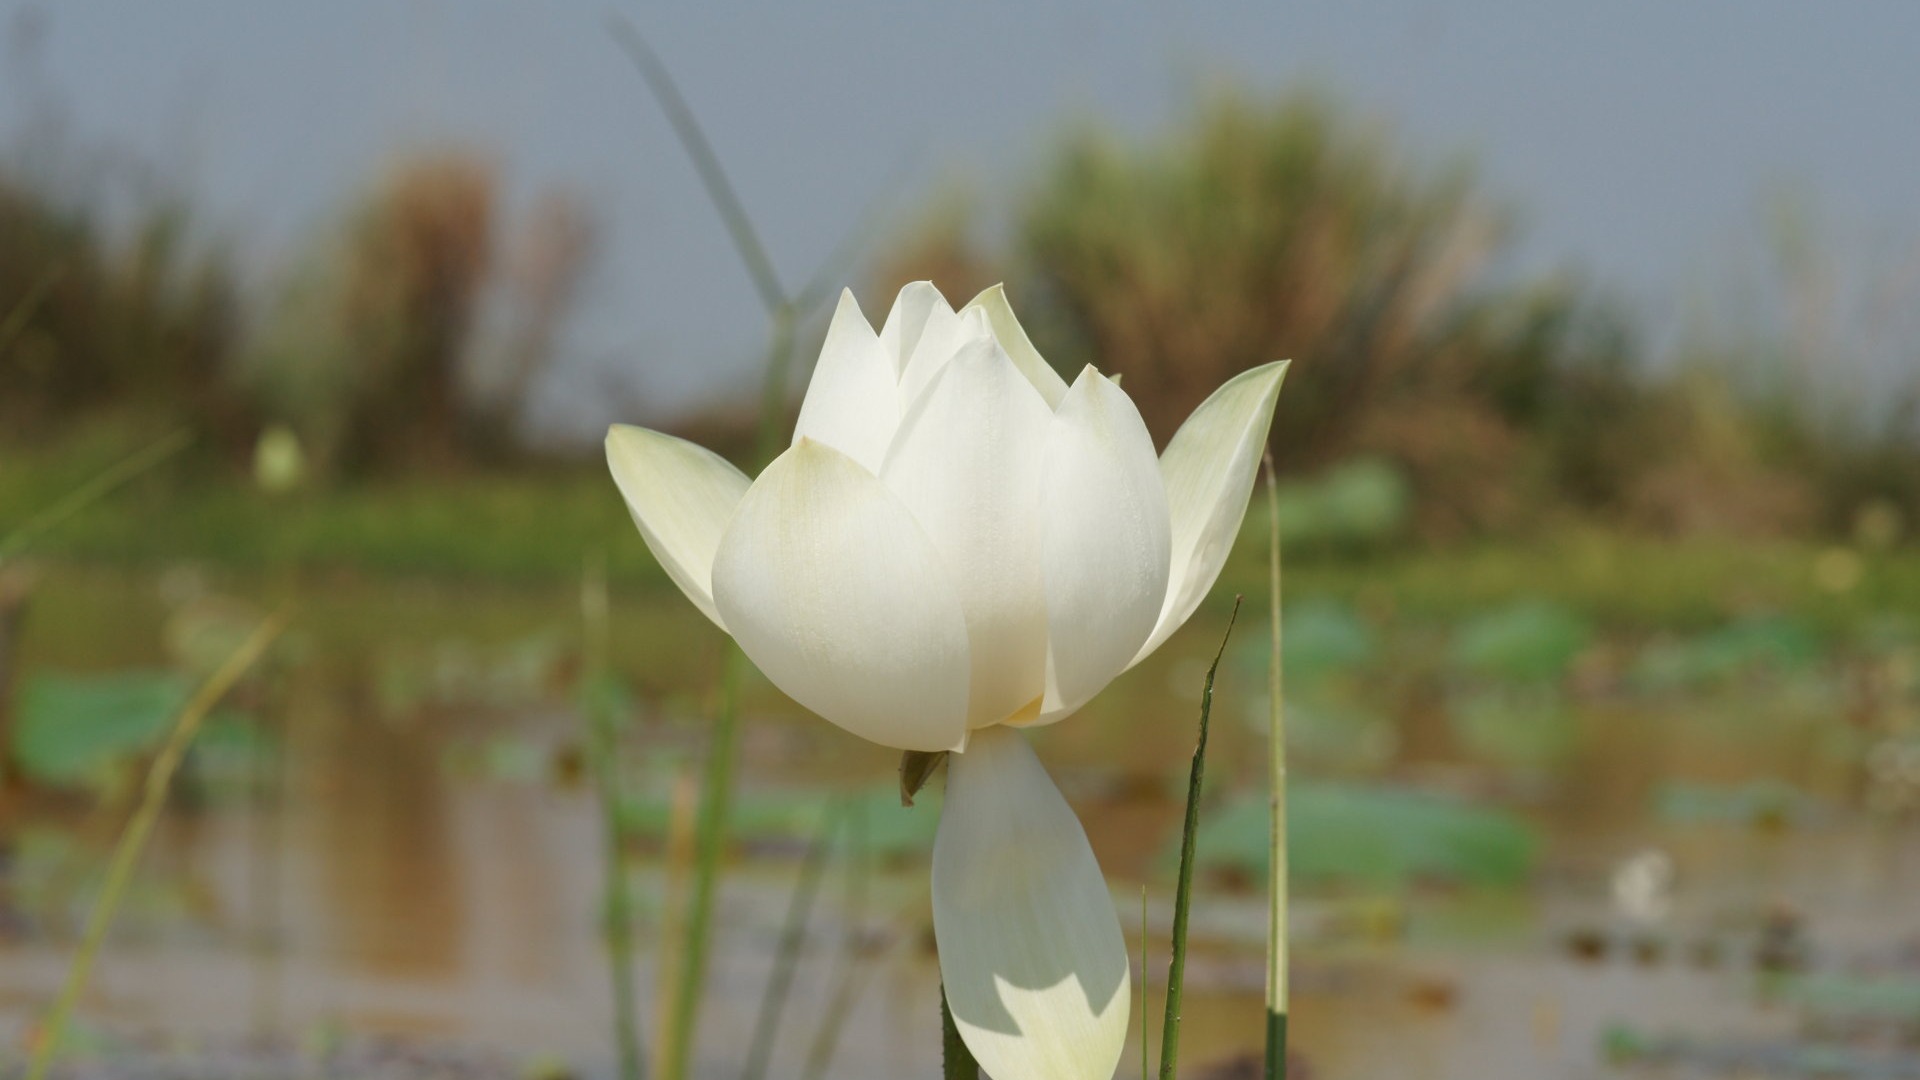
(1183, 893)
(713, 177)
(710, 838)
(1276, 1057)
(133, 840)
(850, 963)
(616, 901)
(793, 940)
(102, 484)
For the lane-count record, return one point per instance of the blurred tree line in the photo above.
(1266, 228)
(414, 329)
(410, 333)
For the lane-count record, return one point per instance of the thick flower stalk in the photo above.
(958, 544)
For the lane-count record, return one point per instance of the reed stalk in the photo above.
(793, 940)
(849, 966)
(92, 491)
(1276, 1056)
(1183, 892)
(603, 742)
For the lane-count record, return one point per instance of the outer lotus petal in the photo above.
(852, 403)
(917, 303)
(835, 593)
(1013, 338)
(1105, 545)
(1030, 948)
(681, 496)
(966, 462)
(1209, 469)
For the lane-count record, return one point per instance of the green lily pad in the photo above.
(74, 729)
(1372, 837)
(1528, 642)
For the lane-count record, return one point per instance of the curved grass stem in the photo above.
(133, 840)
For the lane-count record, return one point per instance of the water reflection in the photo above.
(405, 895)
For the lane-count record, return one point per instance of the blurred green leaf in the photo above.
(1773, 644)
(1353, 835)
(72, 729)
(1360, 502)
(1527, 642)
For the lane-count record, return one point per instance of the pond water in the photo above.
(1691, 877)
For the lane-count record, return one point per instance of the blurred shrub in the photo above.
(375, 354)
(1258, 229)
(88, 322)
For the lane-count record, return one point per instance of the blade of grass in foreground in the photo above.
(709, 841)
(850, 967)
(126, 852)
(1276, 1058)
(603, 752)
(1183, 893)
(92, 491)
(683, 1010)
(793, 940)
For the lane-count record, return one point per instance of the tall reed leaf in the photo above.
(1183, 893)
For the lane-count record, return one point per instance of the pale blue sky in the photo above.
(1637, 137)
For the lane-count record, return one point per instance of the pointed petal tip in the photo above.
(680, 495)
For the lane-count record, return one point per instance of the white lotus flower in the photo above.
(958, 544)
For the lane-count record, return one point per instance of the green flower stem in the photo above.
(956, 1061)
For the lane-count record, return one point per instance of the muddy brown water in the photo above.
(385, 889)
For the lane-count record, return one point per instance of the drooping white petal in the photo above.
(1106, 544)
(852, 402)
(1209, 469)
(917, 304)
(966, 463)
(1013, 338)
(1031, 954)
(833, 590)
(680, 495)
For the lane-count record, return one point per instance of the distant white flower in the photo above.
(956, 545)
(1643, 885)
